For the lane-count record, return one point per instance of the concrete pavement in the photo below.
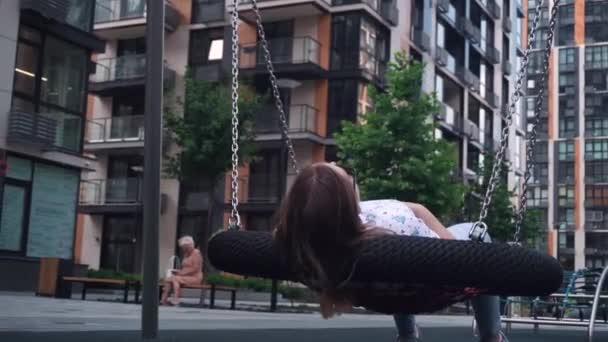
(28, 318)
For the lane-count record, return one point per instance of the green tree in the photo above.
(203, 133)
(502, 211)
(394, 150)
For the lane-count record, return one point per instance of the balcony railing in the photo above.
(115, 129)
(116, 10)
(450, 117)
(56, 130)
(111, 191)
(263, 188)
(120, 68)
(421, 39)
(291, 50)
(507, 25)
(596, 64)
(109, 11)
(494, 9)
(472, 130)
(301, 119)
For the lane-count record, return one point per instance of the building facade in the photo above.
(571, 163)
(46, 48)
(326, 54)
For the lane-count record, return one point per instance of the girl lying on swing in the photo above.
(320, 227)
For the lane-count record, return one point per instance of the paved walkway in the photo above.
(27, 318)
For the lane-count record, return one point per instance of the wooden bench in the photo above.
(213, 288)
(87, 283)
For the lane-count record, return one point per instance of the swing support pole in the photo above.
(155, 30)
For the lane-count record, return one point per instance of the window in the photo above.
(596, 127)
(565, 196)
(596, 14)
(567, 127)
(50, 79)
(342, 103)
(80, 14)
(565, 173)
(207, 46)
(541, 151)
(596, 57)
(566, 81)
(204, 11)
(566, 150)
(596, 172)
(119, 249)
(264, 177)
(364, 101)
(566, 27)
(566, 218)
(538, 197)
(535, 63)
(540, 173)
(596, 150)
(567, 56)
(596, 196)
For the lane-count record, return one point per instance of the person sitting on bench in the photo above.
(191, 272)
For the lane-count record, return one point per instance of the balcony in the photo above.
(301, 119)
(492, 99)
(467, 77)
(601, 64)
(570, 67)
(209, 11)
(119, 74)
(519, 8)
(115, 19)
(292, 57)
(119, 132)
(113, 195)
(275, 10)
(450, 15)
(472, 131)
(506, 25)
(71, 20)
(494, 9)
(421, 39)
(51, 131)
(506, 67)
(471, 31)
(449, 119)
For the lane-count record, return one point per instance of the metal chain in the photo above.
(235, 219)
(275, 88)
(479, 229)
(523, 196)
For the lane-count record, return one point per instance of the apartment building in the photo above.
(326, 53)
(45, 48)
(110, 221)
(571, 163)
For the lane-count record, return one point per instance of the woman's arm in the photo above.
(430, 220)
(194, 267)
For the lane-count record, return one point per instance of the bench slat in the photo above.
(95, 280)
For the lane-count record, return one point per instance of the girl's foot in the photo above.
(501, 337)
(412, 338)
(173, 302)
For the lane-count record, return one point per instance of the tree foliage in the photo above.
(502, 211)
(394, 150)
(203, 132)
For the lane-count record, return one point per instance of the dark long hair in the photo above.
(319, 230)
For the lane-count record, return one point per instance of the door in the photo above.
(131, 58)
(280, 42)
(120, 243)
(13, 219)
(127, 123)
(124, 179)
(132, 8)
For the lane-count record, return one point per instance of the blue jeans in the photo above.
(487, 308)
(487, 314)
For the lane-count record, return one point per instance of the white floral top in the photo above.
(395, 216)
